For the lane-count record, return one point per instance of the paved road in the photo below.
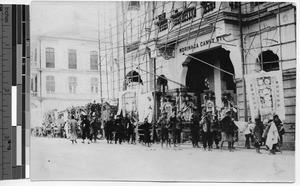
(58, 159)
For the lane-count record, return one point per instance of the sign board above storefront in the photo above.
(205, 42)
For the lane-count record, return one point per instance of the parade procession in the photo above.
(211, 127)
(165, 77)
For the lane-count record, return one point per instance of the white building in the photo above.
(64, 72)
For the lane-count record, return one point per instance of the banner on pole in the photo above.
(146, 106)
(265, 94)
(128, 103)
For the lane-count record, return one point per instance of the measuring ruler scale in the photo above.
(14, 91)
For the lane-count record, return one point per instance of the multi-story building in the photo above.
(65, 72)
(201, 46)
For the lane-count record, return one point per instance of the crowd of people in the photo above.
(168, 131)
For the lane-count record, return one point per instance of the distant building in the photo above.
(64, 72)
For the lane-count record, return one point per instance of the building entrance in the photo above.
(201, 77)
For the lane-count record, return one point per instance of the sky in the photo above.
(51, 16)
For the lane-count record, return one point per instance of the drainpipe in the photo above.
(243, 62)
(40, 73)
(154, 79)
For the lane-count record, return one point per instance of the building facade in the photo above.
(65, 73)
(211, 46)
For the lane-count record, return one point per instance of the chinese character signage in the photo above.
(265, 94)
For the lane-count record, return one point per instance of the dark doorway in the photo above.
(200, 76)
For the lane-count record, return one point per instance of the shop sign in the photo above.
(204, 43)
(183, 16)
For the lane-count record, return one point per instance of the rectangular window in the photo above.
(72, 84)
(208, 6)
(34, 83)
(50, 84)
(94, 85)
(72, 59)
(234, 5)
(50, 57)
(162, 22)
(94, 60)
(35, 54)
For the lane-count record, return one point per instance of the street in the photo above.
(58, 159)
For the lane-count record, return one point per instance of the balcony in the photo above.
(183, 16)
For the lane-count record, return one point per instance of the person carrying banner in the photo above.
(273, 137)
(257, 133)
(228, 128)
(195, 129)
(206, 123)
(280, 130)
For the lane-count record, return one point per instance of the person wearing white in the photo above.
(272, 137)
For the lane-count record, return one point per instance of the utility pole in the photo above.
(154, 79)
(124, 52)
(118, 48)
(100, 80)
(99, 56)
(243, 62)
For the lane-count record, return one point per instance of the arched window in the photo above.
(132, 78)
(50, 62)
(268, 60)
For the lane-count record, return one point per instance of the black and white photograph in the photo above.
(163, 91)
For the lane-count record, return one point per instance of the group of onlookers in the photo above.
(270, 135)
